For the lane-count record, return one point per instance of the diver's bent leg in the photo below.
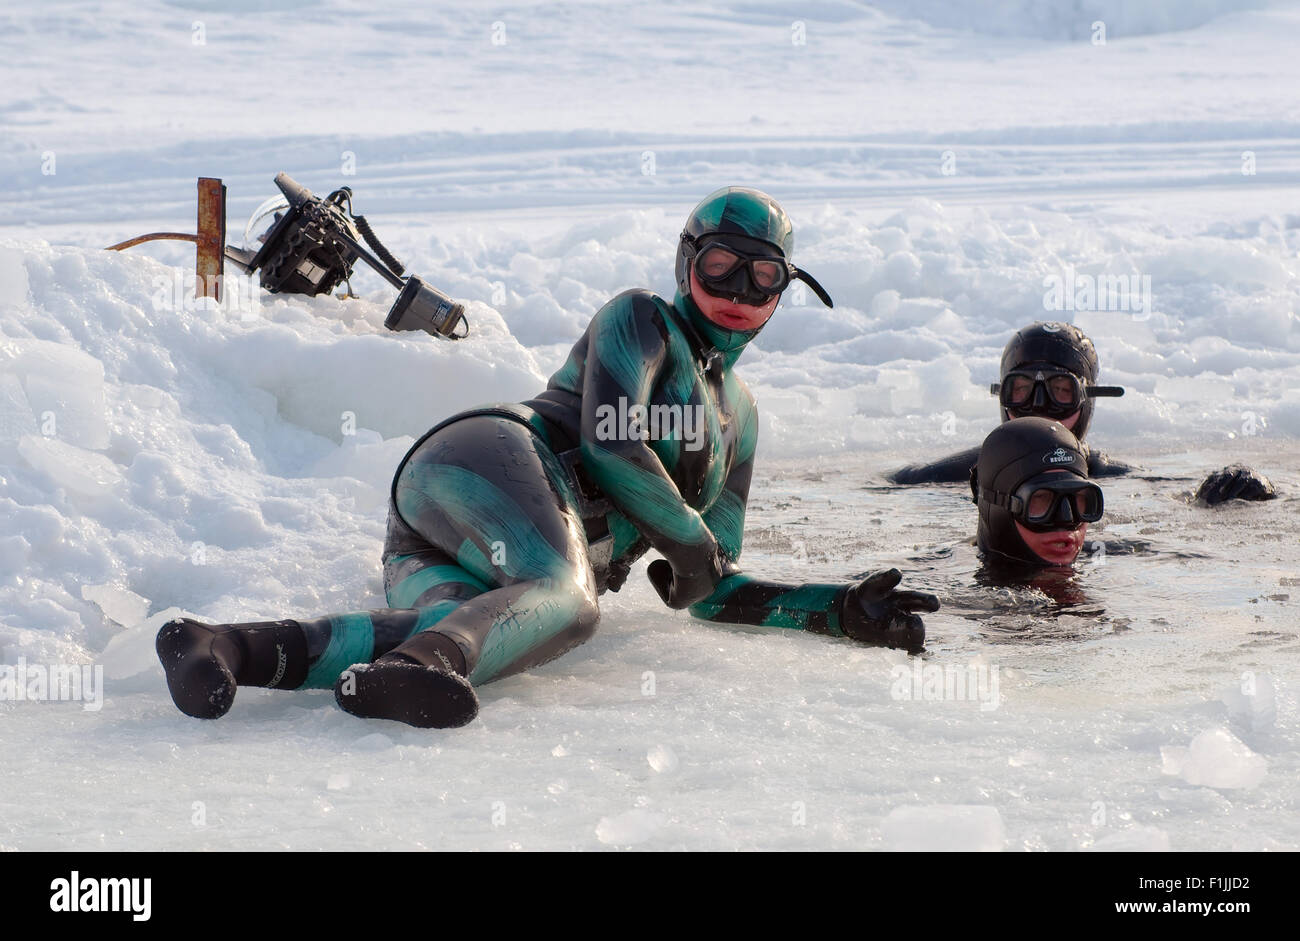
(484, 490)
(423, 587)
(428, 681)
(205, 664)
(489, 491)
(522, 625)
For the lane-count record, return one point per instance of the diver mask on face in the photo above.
(1048, 390)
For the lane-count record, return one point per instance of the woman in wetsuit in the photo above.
(506, 522)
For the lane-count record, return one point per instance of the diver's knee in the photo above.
(584, 625)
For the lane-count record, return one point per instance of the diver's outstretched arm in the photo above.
(953, 469)
(871, 611)
(1101, 464)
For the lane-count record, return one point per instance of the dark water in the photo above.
(1160, 577)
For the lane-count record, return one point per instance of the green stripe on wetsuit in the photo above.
(742, 599)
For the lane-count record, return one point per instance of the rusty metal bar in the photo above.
(210, 256)
(210, 242)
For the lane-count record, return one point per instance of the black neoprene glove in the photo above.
(683, 589)
(874, 613)
(1235, 482)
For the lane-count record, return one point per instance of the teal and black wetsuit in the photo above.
(506, 522)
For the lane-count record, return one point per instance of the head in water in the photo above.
(1050, 370)
(1034, 496)
(733, 262)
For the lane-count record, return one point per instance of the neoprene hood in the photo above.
(1013, 453)
(754, 219)
(1058, 344)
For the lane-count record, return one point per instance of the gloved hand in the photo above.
(682, 589)
(874, 613)
(1235, 482)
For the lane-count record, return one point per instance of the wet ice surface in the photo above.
(1161, 712)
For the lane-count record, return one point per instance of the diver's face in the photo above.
(724, 313)
(1057, 547)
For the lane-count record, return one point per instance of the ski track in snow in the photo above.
(198, 462)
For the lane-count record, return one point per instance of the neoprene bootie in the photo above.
(421, 683)
(207, 663)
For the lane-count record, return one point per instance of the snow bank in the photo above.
(154, 454)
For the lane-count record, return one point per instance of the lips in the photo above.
(736, 318)
(1061, 549)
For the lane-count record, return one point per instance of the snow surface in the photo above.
(159, 458)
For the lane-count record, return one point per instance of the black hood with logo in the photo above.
(1014, 452)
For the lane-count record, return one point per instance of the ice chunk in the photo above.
(662, 758)
(1216, 758)
(64, 385)
(1194, 389)
(69, 466)
(16, 415)
(940, 827)
(130, 660)
(118, 604)
(375, 741)
(635, 826)
(365, 457)
(13, 279)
